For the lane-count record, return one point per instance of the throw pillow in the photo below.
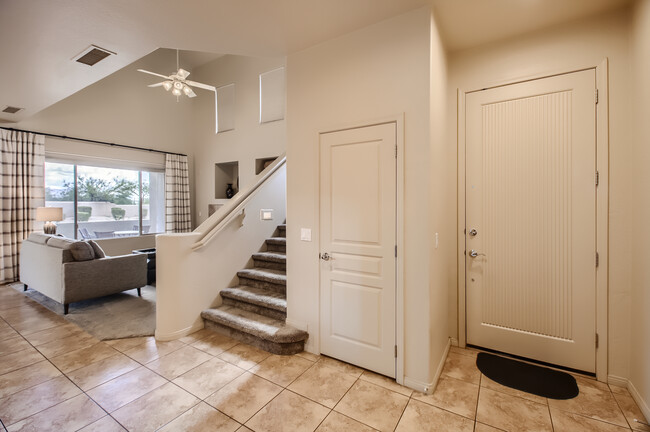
(39, 238)
(82, 251)
(99, 252)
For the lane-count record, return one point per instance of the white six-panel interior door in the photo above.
(358, 244)
(531, 219)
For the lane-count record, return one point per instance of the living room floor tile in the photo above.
(174, 399)
(13, 344)
(27, 377)
(215, 343)
(244, 396)
(53, 334)
(244, 356)
(71, 343)
(152, 349)
(83, 357)
(202, 418)
(128, 343)
(290, 412)
(178, 362)
(323, 384)
(282, 370)
(209, 377)
(126, 388)
(30, 401)
(70, 415)
(104, 424)
(19, 359)
(102, 371)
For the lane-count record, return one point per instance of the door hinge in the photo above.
(597, 259)
(395, 152)
(596, 340)
(395, 251)
(395, 351)
(596, 96)
(597, 178)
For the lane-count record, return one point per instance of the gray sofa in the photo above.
(69, 271)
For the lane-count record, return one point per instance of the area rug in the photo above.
(115, 316)
(526, 377)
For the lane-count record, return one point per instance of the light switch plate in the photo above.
(305, 234)
(266, 214)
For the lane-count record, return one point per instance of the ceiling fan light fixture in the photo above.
(176, 92)
(178, 85)
(167, 85)
(187, 90)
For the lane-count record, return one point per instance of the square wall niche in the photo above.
(225, 173)
(262, 163)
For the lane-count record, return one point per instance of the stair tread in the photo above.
(264, 274)
(257, 296)
(270, 256)
(257, 325)
(277, 240)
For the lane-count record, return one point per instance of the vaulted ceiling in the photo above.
(39, 38)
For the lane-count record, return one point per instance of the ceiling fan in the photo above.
(178, 82)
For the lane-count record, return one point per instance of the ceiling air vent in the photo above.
(11, 109)
(93, 55)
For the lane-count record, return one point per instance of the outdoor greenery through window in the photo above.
(110, 202)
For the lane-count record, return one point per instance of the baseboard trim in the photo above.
(179, 333)
(429, 387)
(617, 381)
(453, 342)
(643, 405)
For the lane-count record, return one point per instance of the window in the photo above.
(100, 202)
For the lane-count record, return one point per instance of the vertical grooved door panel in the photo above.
(531, 158)
(357, 230)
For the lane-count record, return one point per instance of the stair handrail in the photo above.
(237, 204)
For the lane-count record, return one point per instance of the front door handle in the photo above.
(474, 254)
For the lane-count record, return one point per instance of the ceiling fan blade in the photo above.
(153, 73)
(199, 85)
(182, 73)
(156, 85)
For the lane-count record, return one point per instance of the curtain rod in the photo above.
(93, 141)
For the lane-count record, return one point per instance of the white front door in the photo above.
(357, 243)
(531, 219)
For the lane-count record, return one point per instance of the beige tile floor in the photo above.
(55, 377)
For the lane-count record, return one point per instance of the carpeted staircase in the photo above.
(254, 312)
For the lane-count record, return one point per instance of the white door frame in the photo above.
(602, 207)
(399, 232)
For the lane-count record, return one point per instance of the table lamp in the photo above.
(49, 215)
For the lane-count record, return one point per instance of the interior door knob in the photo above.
(473, 232)
(474, 254)
(325, 256)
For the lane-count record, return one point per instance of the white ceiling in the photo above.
(40, 37)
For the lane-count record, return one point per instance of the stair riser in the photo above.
(282, 289)
(282, 232)
(270, 265)
(272, 347)
(261, 310)
(276, 248)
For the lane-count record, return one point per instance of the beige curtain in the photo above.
(22, 159)
(177, 194)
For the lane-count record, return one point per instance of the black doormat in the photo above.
(526, 377)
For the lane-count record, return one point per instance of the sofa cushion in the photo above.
(60, 242)
(82, 251)
(99, 252)
(39, 238)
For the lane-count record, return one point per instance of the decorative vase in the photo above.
(229, 191)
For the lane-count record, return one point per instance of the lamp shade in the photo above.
(48, 214)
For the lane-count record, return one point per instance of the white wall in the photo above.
(639, 208)
(248, 141)
(565, 48)
(374, 73)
